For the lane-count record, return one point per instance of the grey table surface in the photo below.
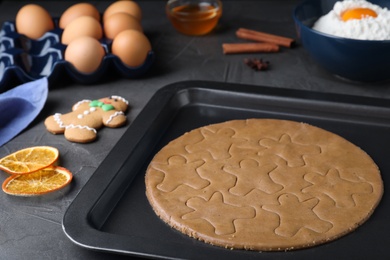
(30, 228)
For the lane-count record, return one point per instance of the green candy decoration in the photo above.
(105, 107)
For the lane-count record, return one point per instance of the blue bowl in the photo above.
(356, 60)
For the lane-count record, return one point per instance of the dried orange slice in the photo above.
(37, 183)
(29, 160)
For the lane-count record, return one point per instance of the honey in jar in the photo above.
(194, 17)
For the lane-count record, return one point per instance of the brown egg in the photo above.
(77, 10)
(85, 54)
(119, 22)
(33, 21)
(82, 26)
(132, 47)
(125, 6)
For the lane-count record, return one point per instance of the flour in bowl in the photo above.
(356, 19)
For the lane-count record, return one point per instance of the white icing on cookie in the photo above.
(114, 115)
(58, 120)
(120, 98)
(62, 125)
(81, 127)
(76, 106)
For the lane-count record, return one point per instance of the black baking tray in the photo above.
(111, 213)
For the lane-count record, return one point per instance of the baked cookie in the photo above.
(87, 117)
(263, 184)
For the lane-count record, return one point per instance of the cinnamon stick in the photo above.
(233, 48)
(253, 35)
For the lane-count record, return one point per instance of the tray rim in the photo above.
(88, 235)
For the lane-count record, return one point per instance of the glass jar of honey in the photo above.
(194, 17)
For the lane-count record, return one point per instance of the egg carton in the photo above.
(28, 59)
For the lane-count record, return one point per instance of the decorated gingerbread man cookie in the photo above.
(87, 117)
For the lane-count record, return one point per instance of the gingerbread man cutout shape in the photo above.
(87, 117)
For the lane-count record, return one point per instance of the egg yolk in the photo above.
(358, 13)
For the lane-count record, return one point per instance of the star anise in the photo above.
(257, 64)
